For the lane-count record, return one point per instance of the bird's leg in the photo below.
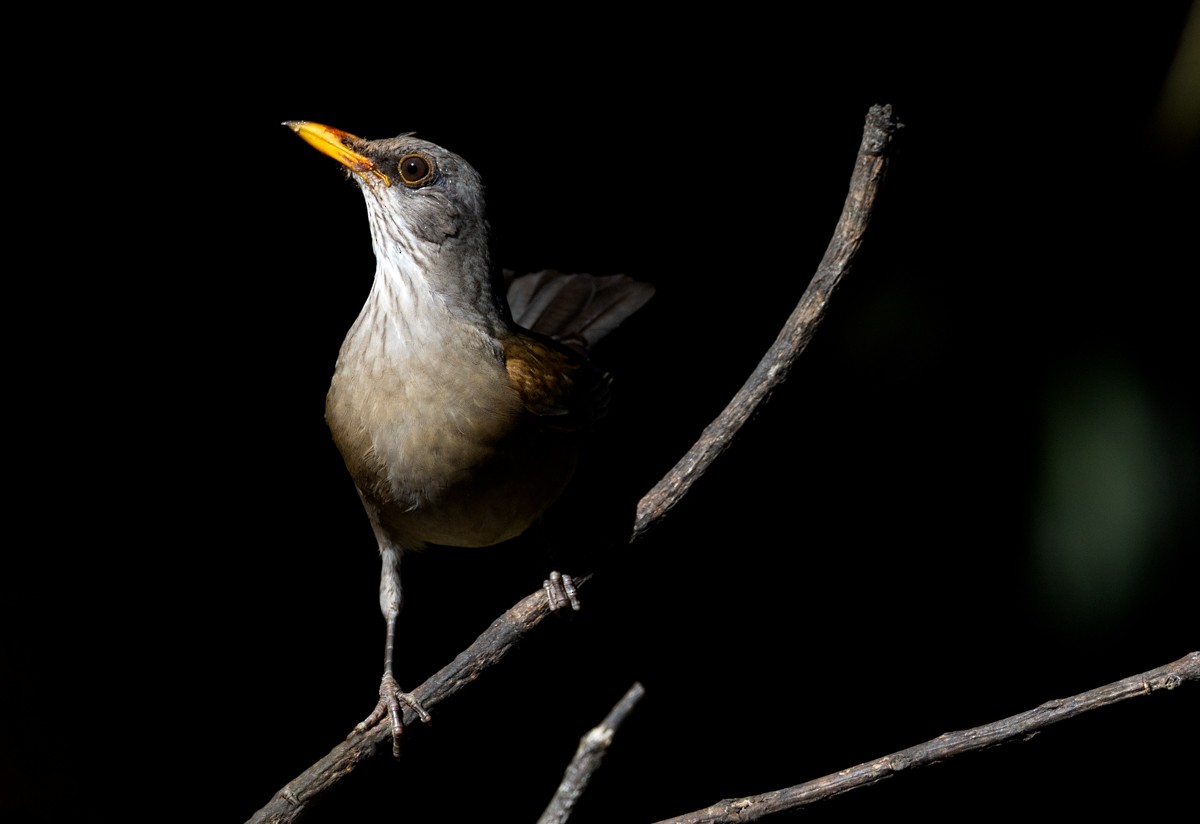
(560, 591)
(390, 694)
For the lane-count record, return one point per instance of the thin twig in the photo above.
(588, 755)
(869, 169)
(946, 746)
(289, 803)
(506, 632)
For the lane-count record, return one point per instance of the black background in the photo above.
(882, 557)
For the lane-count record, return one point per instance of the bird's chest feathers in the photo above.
(418, 398)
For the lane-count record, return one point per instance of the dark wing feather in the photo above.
(577, 310)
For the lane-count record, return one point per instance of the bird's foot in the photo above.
(560, 591)
(390, 696)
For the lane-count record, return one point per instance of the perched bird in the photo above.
(458, 399)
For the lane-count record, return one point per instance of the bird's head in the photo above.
(425, 204)
(435, 192)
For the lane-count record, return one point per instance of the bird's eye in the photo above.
(415, 169)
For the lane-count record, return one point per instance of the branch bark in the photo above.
(588, 756)
(874, 153)
(875, 150)
(947, 745)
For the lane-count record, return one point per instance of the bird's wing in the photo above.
(555, 383)
(577, 310)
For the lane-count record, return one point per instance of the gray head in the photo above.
(426, 207)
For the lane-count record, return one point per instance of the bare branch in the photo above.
(589, 754)
(505, 633)
(289, 803)
(946, 746)
(869, 170)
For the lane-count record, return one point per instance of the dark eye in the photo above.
(415, 169)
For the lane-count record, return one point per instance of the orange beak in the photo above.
(330, 141)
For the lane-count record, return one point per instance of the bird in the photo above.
(461, 395)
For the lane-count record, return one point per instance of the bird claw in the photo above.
(390, 696)
(560, 591)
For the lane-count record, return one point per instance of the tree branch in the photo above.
(289, 803)
(946, 746)
(589, 754)
(869, 169)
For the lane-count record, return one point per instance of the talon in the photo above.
(560, 591)
(390, 696)
(372, 719)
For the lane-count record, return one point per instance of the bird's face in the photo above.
(422, 189)
(426, 210)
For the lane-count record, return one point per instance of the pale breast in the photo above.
(440, 444)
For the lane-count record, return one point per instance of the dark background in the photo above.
(975, 493)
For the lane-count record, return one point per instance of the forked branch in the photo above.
(874, 153)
